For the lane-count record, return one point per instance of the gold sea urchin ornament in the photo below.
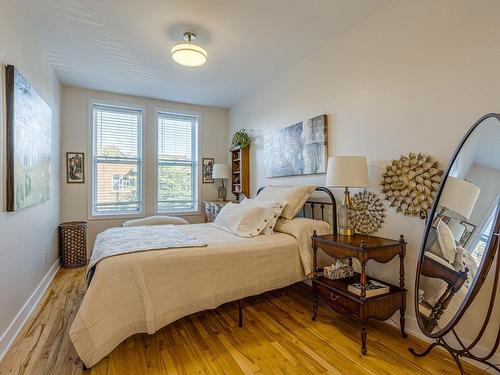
(367, 212)
(410, 183)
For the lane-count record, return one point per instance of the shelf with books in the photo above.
(240, 173)
(342, 295)
(342, 286)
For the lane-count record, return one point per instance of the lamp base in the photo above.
(346, 231)
(222, 193)
(344, 216)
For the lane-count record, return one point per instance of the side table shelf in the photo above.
(335, 293)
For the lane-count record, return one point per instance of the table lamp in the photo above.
(221, 171)
(458, 198)
(346, 172)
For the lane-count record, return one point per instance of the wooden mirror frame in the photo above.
(486, 261)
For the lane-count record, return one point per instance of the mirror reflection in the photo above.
(461, 227)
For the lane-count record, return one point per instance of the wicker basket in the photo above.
(73, 244)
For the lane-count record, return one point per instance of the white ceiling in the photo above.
(124, 45)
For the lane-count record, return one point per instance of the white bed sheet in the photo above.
(143, 292)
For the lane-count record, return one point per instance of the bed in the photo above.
(144, 291)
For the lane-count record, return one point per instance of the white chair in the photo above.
(155, 220)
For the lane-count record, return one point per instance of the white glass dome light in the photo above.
(189, 54)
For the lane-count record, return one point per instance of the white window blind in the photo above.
(117, 160)
(177, 160)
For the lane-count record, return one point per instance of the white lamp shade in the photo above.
(347, 171)
(459, 196)
(189, 54)
(220, 171)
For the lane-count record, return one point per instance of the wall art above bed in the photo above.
(299, 149)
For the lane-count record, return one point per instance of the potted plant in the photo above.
(241, 139)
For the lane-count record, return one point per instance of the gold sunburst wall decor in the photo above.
(367, 212)
(410, 183)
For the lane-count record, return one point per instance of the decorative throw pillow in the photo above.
(296, 196)
(275, 207)
(465, 260)
(242, 220)
(446, 242)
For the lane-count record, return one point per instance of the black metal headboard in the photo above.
(319, 204)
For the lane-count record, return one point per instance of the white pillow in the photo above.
(275, 207)
(296, 196)
(446, 242)
(244, 221)
(302, 229)
(303, 226)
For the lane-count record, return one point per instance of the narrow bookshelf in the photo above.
(240, 168)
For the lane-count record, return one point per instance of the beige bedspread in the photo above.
(143, 292)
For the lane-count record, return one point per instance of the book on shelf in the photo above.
(373, 288)
(425, 309)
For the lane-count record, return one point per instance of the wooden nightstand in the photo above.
(212, 209)
(454, 280)
(335, 293)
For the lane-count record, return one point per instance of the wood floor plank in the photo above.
(278, 338)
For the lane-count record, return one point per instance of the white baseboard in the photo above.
(7, 338)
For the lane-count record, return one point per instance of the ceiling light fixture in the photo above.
(189, 54)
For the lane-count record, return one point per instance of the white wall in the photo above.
(26, 234)
(412, 77)
(213, 138)
(489, 181)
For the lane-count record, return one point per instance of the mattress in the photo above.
(143, 292)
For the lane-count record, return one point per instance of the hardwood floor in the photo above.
(278, 337)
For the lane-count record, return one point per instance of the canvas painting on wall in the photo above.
(299, 149)
(29, 143)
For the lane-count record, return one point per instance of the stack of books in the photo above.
(373, 288)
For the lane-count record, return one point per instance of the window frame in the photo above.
(91, 215)
(490, 213)
(196, 140)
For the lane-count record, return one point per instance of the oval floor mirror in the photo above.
(460, 242)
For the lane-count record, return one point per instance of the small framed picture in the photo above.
(207, 169)
(75, 168)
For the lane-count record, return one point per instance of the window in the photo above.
(117, 160)
(177, 160)
(484, 232)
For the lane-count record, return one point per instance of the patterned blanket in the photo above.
(118, 241)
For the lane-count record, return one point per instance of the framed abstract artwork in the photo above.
(207, 170)
(75, 168)
(29, 143)
(300, 149)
